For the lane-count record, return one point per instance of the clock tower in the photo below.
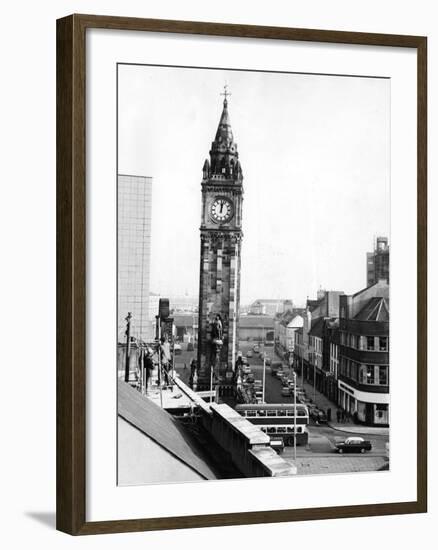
(221, 239)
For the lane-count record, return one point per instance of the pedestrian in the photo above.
(338, 416)
(165, 358)
(148, 367)
(239, 362)
(192, 371)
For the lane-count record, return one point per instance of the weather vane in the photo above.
(226, 93)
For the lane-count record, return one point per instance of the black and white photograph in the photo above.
(253, 273)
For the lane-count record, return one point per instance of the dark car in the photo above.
(190, 346)
(353, 445)
(275, 367)
(319, 416)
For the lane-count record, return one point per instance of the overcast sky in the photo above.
(315, 156)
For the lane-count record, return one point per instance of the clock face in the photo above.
(221, 210)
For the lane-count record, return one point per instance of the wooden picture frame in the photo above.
(71, 273)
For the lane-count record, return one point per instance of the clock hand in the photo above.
(222, 205)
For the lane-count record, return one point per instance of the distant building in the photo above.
(270, 307)
(326, 306)
(363, 384)
(256, 327)
(186, 326)
(154, 301)
(134, 195)
(285, 327)
(330, 359)
(316, 335)
(378, 262)
(184, 303)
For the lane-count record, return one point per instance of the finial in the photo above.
(225, 93)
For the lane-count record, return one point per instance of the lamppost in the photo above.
(128, 345)
(264, 377)
(294, 375)
(217, 343)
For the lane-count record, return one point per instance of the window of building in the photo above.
(370, 342)
(383, 343)
(354, 371)
(383, 376)
(370, 379)
(363, 374)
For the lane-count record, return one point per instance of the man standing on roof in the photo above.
(165, 357)
(148, 366)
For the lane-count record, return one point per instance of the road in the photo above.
(319, 455)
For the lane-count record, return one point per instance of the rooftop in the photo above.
(376, 309)
(317, 328)
(162, 428)
(254, 321)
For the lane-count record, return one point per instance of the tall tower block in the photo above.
(221, 240)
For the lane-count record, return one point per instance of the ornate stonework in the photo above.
(221, 239)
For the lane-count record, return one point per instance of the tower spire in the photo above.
(224, 158)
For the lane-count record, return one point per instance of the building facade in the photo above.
(258, 328)
(326, 306)
(378, 262)
(330, 360)
(363, 379)
(285, 327)
(134, 209)
(270, 306)
(221, 239)
(315, 355)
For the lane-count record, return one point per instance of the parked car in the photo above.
(267, 360)
(258, 383)
(256, 349)
(276, 367)
(250, 378)
(245, 361)
(317, 415)
(286, 391)
(177, 349)
(246, 369)
(249, 353)
(353, 445)
(299, 389)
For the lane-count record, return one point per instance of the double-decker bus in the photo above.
(278, 420)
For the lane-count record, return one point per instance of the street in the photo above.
(318, 456)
